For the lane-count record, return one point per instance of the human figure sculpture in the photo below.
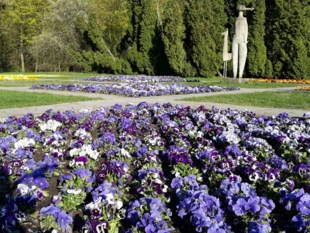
(240, 40)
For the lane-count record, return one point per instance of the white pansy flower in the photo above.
(23, 189)
(86, 110)
(49, 125)
(74, 191)
(25, 142)
(109, 198)
(125, 153)
(81, 133)
(119, 204)
(87, 149)
(158, 181)
(71, 163)
(74, 151)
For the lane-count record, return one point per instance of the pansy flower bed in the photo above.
(155, 168)
(135, 79)
(136, 89)
(26, 77)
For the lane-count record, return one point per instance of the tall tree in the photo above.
(204, 22)
(144, 24)
(24, 19)
(146, 50)
(257, 52)
(113, 23)
(5, 48)
(59, 38)
(287, 38)
(174, 38)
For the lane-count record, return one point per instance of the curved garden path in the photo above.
(110, 100)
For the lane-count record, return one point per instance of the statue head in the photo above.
(243, 8)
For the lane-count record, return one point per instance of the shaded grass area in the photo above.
(269, 99)
(15, 99)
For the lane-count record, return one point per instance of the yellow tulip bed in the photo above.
(270, 80)
(303, 88)
(25, 77)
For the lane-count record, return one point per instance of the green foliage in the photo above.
(287, 38)
(173, 38)
(204, 22)
(164, 37)
(257, 53)
(22, 21)
(49, 223)
(113, 23)
(72, 202)
(143, 34)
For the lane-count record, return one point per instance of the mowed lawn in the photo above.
(268, 99)
(15, 99)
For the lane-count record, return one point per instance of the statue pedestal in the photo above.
(235, 80)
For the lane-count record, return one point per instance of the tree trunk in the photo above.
(22, 61)
(158, 14)
(37, 64)
(109, 51)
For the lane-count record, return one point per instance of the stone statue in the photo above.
(226, 56)
(240, 40)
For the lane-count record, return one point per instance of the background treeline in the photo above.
(175, 37)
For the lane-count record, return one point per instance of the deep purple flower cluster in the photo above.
(152, 183)
(113, 171)
(135, 90)
(10, 217)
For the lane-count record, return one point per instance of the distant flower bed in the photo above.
(154, 169)
(135, 90)
(270, 80)
(18, 77)
(26, 77)
(303, 88)
(135, 79)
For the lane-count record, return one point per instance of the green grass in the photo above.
(15, 99)
(269, 99)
